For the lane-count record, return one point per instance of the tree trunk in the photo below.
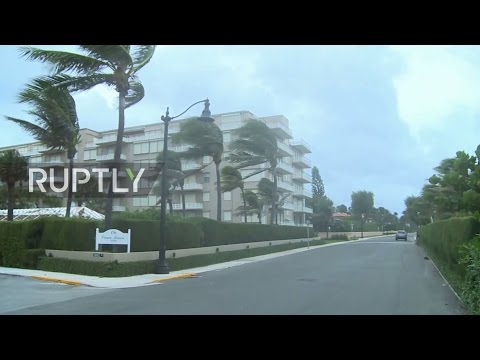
(274, 199)
(259, 218)
(170, 205)
(244, 204)
(10, 200)
(70, 182)
(116, 156)
(183, 200)
(219, 192)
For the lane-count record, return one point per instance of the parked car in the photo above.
(401, 235)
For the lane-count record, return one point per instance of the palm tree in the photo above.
(231, 180)
(13, 168)
(56, 123)
(254, 205)
(113, 65)
(175, 177)
(257, 144)
(205, 139)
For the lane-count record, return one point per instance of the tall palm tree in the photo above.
(175, 177)
(13, 168)
(55, 125)
(254, 205)
(113, 65)
(204, 139)
(231, 180)
(257, 144)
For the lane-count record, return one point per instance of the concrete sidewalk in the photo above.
(148, 279)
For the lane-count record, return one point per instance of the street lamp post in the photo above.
(161, 267)
(361, 223)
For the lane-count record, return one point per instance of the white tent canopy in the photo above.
(31, 214)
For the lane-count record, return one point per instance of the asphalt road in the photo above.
(377, 276)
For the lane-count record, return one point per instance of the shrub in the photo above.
(146, 234)
(339, 237)
(445, 238)
(68, 234)
(218, 233)
(471, 288)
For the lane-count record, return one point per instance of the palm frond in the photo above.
(141, 56)
(33, 129)
(135, 94)
(64, 60)
(114, 55)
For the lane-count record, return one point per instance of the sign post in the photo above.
(112, 236)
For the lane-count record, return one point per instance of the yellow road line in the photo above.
(179, 276)
(63, 281)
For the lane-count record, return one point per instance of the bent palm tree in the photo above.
(113, 65)
(13, 168)
(56, 124)
(231, 180)
(205, 139)
(254, 205)
(175, 177)
(256, 145)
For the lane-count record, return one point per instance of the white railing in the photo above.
(302, 159)
(118, 208)
(301, 142)
(279, 125)
(192, 186)
(110, 157)
(188, 206)
(286, 167)
(285, 147)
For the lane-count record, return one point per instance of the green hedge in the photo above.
(146, 234)
(444, 239)
(471, 286)
(218, 233)
(68, 234)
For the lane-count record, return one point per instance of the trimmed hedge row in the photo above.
(68, 234)
(146, 234)
(218, 233)
(444, 239)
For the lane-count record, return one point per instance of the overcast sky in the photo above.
(378, 118)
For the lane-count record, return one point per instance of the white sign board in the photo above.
(112, 236)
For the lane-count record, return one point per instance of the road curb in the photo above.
(62, 281)
(446, 281)
(179, 276)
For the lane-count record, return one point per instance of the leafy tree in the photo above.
(318, 188)
(13, 168)
(116, 66)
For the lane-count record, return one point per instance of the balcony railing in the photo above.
(188, 206)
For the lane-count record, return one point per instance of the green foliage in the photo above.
(68, 234)
(445, 238)
(215, 233)
(94, 268)
(471, 288)
(146, 234)
(362, 203)
(322, 213)
(318, 189)
(342, 208)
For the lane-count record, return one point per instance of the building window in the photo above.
(136, 201)
(206, 214)
(227, 215)
(206, 196)
(226, 137)
(145, 148)
(206, 178)
(154, 146)
(206, 159)
(227, 195)
(137, 149)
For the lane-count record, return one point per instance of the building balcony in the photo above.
(109, 157)
(109, 140)
(302, 177)
(301, 145)
(284, 186)
(284, 168)
(287, 206)
(188, 206)
(284, 149)
(301, 162)
(118, 208)
(191, 186)
(302, 209)
(302, 193)
(51, 163)
(279, 129)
